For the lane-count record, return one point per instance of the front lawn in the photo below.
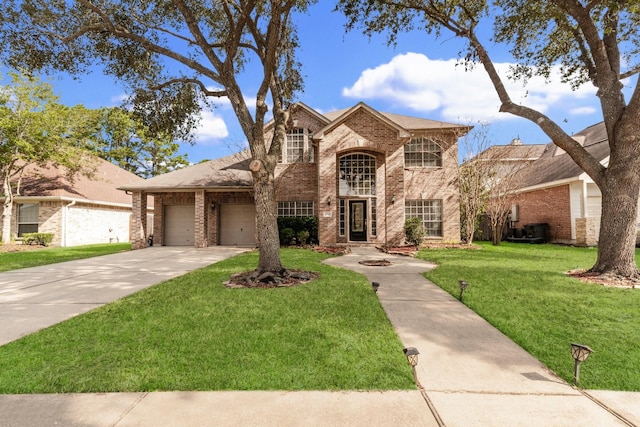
(35, 257)
(192, 333)
(523, 291)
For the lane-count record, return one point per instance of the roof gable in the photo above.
(343, 115)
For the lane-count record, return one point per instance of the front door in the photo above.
(358, 220)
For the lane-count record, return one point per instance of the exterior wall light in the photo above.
(213, 205)
(463, 286)
(580, 353)
(329, 200)
(393, 199)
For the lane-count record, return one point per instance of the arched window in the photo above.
(357, 175)
(422, 152)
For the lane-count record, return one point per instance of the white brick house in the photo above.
(361, 172)
(77, 211)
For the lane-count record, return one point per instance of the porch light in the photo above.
(329, 200)
(463, 286)
(393, 199)
(213, 205)
(375, 286)
(580, 353)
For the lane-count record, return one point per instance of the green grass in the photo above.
(192, 333)
(17, 260)
(523, 291)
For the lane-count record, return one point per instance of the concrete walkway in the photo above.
(472, 375)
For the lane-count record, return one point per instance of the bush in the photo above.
(286, 236)
(414, 231)
(299, 224)
(303, 237)
(42, 239)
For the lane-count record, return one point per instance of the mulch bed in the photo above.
(609, 280)
(249, 279)
(12, 247)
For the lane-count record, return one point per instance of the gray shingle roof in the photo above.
(226, 172)
(556, 165)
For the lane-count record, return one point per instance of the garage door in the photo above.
(237, 225)
(179, 225)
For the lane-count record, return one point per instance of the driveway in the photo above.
(38, 297)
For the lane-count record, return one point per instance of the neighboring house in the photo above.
(361, 172)
(555, 191)
(77, 211)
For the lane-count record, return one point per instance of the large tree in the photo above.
(180, 49)
(36, 129)
(590, 41)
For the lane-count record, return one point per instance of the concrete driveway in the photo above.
(38, 297)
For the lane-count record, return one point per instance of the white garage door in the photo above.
(179, 225)
(237, 225)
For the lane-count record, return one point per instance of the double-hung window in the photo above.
(298, 146)
(429, 211)
(422, 152)
(27, 218)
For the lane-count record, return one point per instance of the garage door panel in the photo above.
(179, 225)
(237, 225)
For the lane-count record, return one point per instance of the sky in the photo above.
(416, 77)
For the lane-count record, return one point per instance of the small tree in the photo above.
(34, 128)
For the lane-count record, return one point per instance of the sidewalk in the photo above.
(472, 376)
(472, 373)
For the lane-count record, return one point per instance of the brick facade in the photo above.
(369, 136)
(549, 205)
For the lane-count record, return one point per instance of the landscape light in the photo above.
(463, 286)
(375, 286)
(412, 357)
(580, 353)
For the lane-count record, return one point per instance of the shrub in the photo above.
(303, 237)
(414, 231)
(42, 239)
(298, 224)
(286, 236)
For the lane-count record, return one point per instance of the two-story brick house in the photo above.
(359, 171)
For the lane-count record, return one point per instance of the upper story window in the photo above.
(358, 175)
(422, 152)
(298, 146)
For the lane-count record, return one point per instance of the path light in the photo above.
(412, 357)
(463, 286)
(580, 353)
(375, 286)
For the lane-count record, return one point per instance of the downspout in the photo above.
(65, 213)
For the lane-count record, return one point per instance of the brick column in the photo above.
(139, 220)
(200, 220)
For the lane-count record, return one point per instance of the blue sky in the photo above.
(418, 77)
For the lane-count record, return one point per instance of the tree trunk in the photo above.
(620, 190)
(266, 220)
(6, 211)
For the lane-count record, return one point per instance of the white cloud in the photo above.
(119, 99)
(421, 84)
(212, 128)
